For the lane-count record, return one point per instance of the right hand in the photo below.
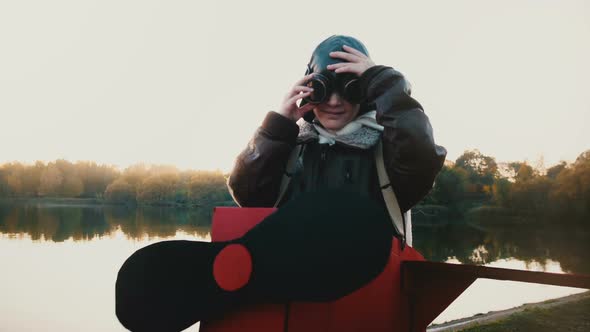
(289, 107)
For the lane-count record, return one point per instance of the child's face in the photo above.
(336, 112)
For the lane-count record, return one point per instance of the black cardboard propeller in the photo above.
(318, 247)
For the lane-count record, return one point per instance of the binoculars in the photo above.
(325, 83)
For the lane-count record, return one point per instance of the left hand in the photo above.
(357, 63)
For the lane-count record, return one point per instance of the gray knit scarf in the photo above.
(363, 132)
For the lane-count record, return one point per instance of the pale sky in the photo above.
(186, 83)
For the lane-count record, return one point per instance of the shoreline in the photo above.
(494, 316)
(90, 202)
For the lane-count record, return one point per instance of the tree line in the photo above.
(153, 185)
(472, 180)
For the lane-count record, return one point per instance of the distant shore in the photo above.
(56, 201)
(81, 202)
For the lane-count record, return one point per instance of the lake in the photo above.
(59, 262)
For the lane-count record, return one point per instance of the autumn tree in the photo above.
(523, 171)
(120, 192)
(95, 178)
(449, 187)
(572, 188)
(481, 171)
(4, 189)
(17, 179)
(13, 176)
(32, 179)
(135, 174)
(502, 191)
(554, 171)
(208, 186)
(51, 180)
(159, 187)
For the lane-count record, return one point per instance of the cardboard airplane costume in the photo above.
(323, 262)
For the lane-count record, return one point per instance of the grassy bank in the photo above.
(567, 314)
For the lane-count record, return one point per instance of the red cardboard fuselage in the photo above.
(378, 306)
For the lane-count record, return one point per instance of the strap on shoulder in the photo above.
(389, 195)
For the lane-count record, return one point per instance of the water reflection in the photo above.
(539, 244)
(83, 223)
(461, 241)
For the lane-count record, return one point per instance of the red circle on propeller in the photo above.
(232, 267)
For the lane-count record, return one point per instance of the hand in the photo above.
(289, 108)
(357, 63)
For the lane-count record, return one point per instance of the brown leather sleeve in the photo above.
(258, 170)
(412, 159)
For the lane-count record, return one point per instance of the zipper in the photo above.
(348, 171)
(323, 157)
